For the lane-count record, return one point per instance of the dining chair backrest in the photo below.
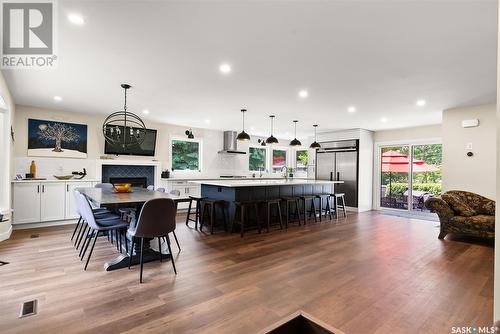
(86, 211)
(162, 190)
(175, 192)
(76, 195)
(157, 218)
(104, 185)
(150, 188)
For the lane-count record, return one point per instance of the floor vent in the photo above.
(28, 308)
(33, 236)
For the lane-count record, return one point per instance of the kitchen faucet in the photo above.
(284, 170)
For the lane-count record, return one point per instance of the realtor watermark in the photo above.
(28, 34)
(474, 330)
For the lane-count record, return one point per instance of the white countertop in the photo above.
(55, 180)
(260, 183)
(249, 178)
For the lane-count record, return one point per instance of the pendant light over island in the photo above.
(272, 139)
(243, 136)
(295, 142)
(315, 145)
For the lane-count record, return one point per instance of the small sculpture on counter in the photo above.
(81, 175)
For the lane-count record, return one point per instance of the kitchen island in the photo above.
(233, 191)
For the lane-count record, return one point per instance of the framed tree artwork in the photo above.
(56, 139)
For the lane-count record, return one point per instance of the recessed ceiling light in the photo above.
(383, 120)
(351, 109)
(252, 128)
(303, 94)
(145, 111)
(57, 98)
(420, 103)
(207, 121)
(76, 19)
(225, 68)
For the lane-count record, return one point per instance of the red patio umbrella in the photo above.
(397, 162)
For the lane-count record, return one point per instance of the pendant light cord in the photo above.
(125, 105)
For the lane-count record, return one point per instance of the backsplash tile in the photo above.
(128, 171)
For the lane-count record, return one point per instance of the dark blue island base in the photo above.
(259, 193)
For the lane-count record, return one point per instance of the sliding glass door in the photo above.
(426, 174)
(394, 180)
(409, 175)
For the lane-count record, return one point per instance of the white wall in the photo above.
(6, 152)
(408, 134)
(213, 164)
(478, 173)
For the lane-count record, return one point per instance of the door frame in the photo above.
(377, 170)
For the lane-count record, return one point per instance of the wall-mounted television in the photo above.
(146, 148)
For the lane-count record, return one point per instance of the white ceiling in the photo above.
(380, 56)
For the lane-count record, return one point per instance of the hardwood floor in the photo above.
(371, 273)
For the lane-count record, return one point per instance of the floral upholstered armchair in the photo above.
(463, 212)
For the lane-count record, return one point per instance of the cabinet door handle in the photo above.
(43, 188)
(67, 188)
(38, 188)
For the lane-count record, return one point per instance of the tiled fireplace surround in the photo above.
(124, 171)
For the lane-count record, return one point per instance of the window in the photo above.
(279, 160)
(186, 155)
(301, 160)
(256, 159)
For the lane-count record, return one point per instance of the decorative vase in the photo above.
(33, 169)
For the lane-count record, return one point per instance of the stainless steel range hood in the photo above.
(230, 143)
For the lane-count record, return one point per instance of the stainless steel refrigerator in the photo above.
(338, 161)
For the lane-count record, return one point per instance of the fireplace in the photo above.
(141, 182)
(137, 175)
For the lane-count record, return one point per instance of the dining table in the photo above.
(135, 199)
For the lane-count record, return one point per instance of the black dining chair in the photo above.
(156, 220)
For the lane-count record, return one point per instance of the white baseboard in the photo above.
(44, 224)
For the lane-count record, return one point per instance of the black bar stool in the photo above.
(269, 204)
(312, 209)
(288, 202)
(336, 197)
(210, 209)
(324, 199)
(245, 208)
(197, 212)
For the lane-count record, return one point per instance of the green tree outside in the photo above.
(256, 158)
(185, 155)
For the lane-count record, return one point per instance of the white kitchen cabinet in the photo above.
(184, 187)
(70, 198)
(26, 200)
(52, 201)
(44, 201)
